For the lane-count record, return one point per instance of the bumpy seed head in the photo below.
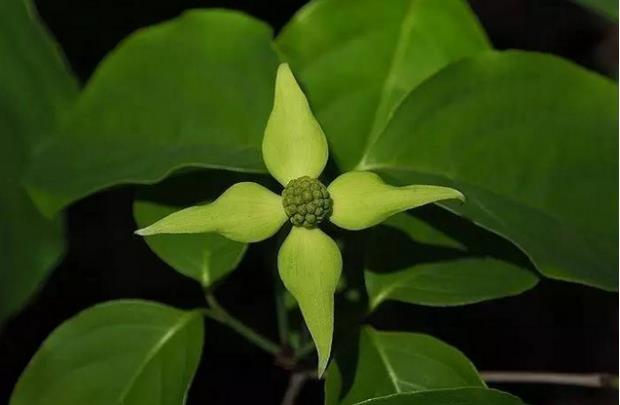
(306, 202)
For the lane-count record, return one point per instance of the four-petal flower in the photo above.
(295, 152)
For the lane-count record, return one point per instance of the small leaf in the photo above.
(246, 212)
(205, 257)
(294, 144)
(383, 363)
(412, 261)
(460, 396)
(120, 352)
(450, 282)
(310, 264)
(362, 199)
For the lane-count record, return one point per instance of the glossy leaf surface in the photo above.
(36, 87)
(194, 91)
(120, 352)
(453, 282)
(394, 362)
(358, 59)
(532, 141)
(460, 396)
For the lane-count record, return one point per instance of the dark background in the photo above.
(554, 327)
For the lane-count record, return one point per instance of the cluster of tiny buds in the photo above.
(306, 201)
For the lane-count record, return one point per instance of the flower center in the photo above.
(306, 201)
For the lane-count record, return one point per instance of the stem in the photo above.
(295, 384)
(281, 313)
(595, 380)
(219, 314)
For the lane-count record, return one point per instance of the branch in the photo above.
(281, 312)
(595, 380)
(295, 384)
(219, 314)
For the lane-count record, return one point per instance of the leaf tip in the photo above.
(321, 370)
(284, 68)
(144, 231)
(459, 196)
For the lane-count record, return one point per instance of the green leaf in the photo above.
(532, 141)
(294, 144)
(194, 91)
(310, 264)
(385, 363)
(359, 58)
(205, 258)
(453, 282)
(460, 396)
(246, 212)
(119, 352)
(608, 8)
(35, 88)
(362, 199)
(412, 262)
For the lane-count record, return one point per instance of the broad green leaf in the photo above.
(246, 212)
(194, 91)
(35, 88)
(412, 262)
(532, 141)
(362, 199)
(204, 257)
(310, 264)
(294, 144)
(119, 352)
(607, 8)
(394, 362)
(460, 396)
(359, 58)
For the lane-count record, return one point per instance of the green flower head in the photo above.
(295, 151)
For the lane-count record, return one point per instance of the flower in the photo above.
(295, 152)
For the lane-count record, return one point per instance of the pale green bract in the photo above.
(246, 212)
(310, 265)
(294, 144)
(309, 261)
(364, 200)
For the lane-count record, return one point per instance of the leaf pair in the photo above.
(140, 352)
(309, 261)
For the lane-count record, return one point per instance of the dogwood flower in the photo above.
(295, 152)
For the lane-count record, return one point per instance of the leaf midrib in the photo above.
(152, 353)
(394, 379)
(405, 27)
(386, 363)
